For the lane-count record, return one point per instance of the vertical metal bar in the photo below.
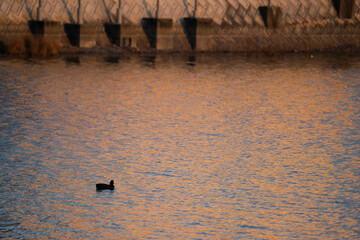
(38, 17)
(195, 9)
(118, 16)
(157, 9)
(79, 12)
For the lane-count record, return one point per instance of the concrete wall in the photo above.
(236, 24)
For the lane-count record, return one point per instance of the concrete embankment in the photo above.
(183, 25)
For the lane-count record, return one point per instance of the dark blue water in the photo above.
(199, 147)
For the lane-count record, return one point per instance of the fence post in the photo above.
(39, 15)
(118, 14)
(195, 8)
(157, 9)
(80, 19)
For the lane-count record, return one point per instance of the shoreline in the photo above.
(118, 52)
(113, 50)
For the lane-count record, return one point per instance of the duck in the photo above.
(103, 186)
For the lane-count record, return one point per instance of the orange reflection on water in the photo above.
(210, 152)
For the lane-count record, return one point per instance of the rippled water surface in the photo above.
(199, 147)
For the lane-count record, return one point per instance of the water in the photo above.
(199, 147)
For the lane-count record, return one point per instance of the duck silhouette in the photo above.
(103, 186)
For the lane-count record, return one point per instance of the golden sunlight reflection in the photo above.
(215, 150)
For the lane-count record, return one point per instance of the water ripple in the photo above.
(225, 147)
